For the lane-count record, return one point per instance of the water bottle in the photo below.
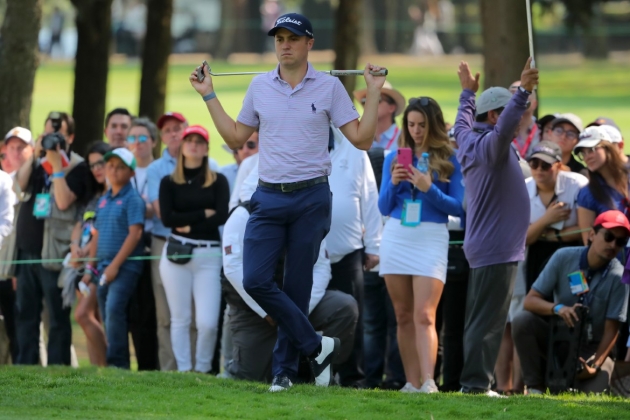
(423, 163)
(87, 233)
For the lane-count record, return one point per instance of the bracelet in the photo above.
(209, 96)
(556, 309)
(92, 269)
(58, 175)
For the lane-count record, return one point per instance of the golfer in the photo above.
(290, 211)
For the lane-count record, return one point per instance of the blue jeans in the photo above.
(379, 334)
(296, 222)
(113, 302)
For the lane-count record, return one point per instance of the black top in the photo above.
(30, 230)
(576, 166)
(184, 204)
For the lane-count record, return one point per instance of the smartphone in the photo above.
(405, 157)
(200, 73)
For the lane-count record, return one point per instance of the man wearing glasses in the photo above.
(250, 148)
(390, 105)
(575, 277)
(565, 132)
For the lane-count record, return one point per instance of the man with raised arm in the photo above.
(292, 106)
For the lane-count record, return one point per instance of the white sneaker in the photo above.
(409, 389)
(494, 394)
(534, 391)
(322, 364)
(429, 387)
(280, 383)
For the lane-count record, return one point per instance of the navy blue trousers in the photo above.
(296, 222)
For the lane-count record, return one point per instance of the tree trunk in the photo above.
(91, 66)
(228, 29)
(368, 40)
(157, 48)
(391, 26)
(18, 61)
(505, 41)
(347, 35)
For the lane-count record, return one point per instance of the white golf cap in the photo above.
(21, 133)
(591, 137)
(613, 132)
(123, 154)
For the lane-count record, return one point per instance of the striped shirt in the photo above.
(293, 123)
(114, 216)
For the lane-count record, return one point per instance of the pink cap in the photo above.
(197, 129)
(175, 115)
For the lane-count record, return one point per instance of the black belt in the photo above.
(193, 245)
(294, 186)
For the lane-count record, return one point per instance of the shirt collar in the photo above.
(389, 133)
(123, 191)
(311, 73)
(167, 156)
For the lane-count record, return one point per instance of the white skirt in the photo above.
(416, 251)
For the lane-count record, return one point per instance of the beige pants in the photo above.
(163, 314)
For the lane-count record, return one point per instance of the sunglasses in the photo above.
(570, 134)
(619, 242)
(424, 101)
(537, 163)
(381, 99)
(141, 139)
(97, 165)
(251, 145)
(586, 151)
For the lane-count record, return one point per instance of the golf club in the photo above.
(337, 73)
(530, 31)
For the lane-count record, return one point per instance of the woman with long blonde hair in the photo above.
(414, 246)
(193, 203)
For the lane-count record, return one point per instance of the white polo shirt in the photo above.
(233, 234)
(355, 202)
(293, 123)
(7, 203)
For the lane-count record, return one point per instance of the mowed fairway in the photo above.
(588, 89)
(29, 393)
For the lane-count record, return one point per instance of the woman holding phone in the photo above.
(414, 246)
(193, 203)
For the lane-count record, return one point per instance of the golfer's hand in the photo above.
(203, 88)
(529, 76)
(466, 78)
(373, 82)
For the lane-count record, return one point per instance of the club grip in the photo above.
(382, 72)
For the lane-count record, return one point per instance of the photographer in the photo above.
(50, 184)
(575, 277)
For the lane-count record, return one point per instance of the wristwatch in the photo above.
(556, 309)
(525, 91)
(592, 365)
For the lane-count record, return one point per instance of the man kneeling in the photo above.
(254, 332)
(577, 276)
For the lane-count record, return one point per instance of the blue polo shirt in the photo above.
(585, 199)
(114, 215)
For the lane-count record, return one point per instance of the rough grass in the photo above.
(89, 393)
(589, 89)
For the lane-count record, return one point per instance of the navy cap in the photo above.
(295, 23)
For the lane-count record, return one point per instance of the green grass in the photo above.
(110, 393)
(589, 90)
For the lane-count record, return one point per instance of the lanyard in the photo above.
(523, 150)
(141, 190)
(389, 143)
(587, 297)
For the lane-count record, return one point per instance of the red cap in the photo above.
(197, 129)
(175, 115)
(612, 219)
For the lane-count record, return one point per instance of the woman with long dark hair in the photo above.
(608, 188)
(87, 312)
(414, 246)
(193, 203)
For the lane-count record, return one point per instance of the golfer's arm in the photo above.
(234, 133)
(361, 132)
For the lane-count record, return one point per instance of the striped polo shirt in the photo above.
(293, 123)
(114, 215)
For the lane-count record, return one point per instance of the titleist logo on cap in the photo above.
(289, 20)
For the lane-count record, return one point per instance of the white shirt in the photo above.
(233, 233)
(247, 166)
(230, 173)
(355, 202)
(140, 183)
(7, 201)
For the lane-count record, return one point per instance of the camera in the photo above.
(56, 120)
(50, 141)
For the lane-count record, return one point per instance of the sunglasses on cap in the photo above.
(537, 163)
(423, 100)
(619, 242)
(141, 139)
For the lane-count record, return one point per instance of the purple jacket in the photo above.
(497, 215)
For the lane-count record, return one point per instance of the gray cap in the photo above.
(572, 119)
(547, 151)
(493, 98)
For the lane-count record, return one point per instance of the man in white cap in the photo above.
(17, 149)
(565, 132)
(390, 105)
